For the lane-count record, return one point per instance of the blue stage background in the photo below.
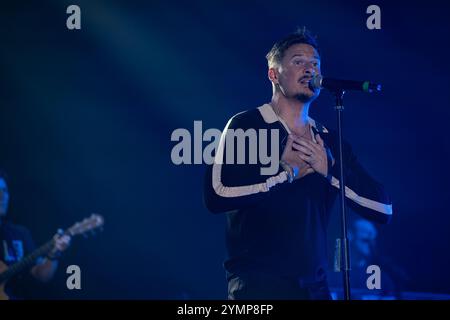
(86, 118)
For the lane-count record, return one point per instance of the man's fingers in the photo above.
(300, 154)
(307, 144)
(302, 149)
(62, 242)
(304, 144)
(319, 140)
(305, 158)
(290, 141)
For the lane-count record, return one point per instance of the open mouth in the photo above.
(305, 81)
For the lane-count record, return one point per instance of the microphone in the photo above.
(319, 82)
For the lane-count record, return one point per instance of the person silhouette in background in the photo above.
(364, 252)
(15, 243)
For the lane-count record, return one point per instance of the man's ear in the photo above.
(273, 76)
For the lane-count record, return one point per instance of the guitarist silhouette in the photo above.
(16, 242)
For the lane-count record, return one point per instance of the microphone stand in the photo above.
(342, 243)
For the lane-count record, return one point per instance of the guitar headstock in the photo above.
(92, 223)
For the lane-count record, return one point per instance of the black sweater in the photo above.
(279, 227)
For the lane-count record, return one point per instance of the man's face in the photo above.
(300, 63)
(365, 236)
(4, 197)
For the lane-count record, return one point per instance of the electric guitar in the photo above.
(92, 223)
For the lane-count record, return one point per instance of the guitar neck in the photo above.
(26, 262)
(89, 224)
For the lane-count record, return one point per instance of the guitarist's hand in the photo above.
(61, 244)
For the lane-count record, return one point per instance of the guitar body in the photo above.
(3, 295)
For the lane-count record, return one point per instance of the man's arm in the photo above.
(232, 186)
(367, 197)
(46, 267)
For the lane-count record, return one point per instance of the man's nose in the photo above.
(309, 69)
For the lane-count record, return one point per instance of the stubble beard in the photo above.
(305, 97)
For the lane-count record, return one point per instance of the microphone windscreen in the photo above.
(315, 83)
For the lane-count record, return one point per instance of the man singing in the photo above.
(276, 224)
